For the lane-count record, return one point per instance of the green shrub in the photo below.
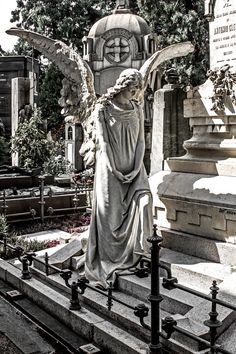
(30, 142)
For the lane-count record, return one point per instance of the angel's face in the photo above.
(131, 92)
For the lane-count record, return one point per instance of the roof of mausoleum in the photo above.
(121, 18)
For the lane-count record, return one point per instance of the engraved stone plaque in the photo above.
(223, 35)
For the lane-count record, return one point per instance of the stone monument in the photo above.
(169, 127)
(195, 199)
(17, 87)
(116, 42)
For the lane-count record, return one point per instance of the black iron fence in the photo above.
(157, 331)
(41, 207)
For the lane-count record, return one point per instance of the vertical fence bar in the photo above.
(42, 201)
(74, 302)
(109, 300)
(75, 199)
(46, 260)
(155, 297)
(25, 268)
(5, 245)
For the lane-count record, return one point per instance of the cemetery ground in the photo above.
(25, 327)
(46, 299)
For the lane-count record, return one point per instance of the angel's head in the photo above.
(130, 80)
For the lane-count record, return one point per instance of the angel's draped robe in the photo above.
(122, 213)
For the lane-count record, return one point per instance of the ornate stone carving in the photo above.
(223, 82)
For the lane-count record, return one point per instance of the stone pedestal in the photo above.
(170, 128)
(195, 199)
(20, 97)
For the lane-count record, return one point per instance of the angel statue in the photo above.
(114, 134)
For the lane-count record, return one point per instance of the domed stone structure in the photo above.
(116, 42)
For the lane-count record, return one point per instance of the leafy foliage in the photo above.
(3, 224)
(56, 164)
(69, 20)
(180, 20)
(30, 142)
(35, 150)
(51, 84)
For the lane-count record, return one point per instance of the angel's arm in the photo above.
(105, 147)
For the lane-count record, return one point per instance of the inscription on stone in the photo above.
(223, 35)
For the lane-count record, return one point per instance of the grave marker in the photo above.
(223, 35)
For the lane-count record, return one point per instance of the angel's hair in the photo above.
(128, 78)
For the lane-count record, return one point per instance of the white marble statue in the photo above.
(114, 135)
(122, 210)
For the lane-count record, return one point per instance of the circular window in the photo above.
(116, 49)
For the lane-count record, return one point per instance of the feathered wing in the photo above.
(78, 94)
(159, 57)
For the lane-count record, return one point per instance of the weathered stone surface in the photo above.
(20, 97)
(22, 333)
(48, 235)
(84, 322)
(206, 248)
(197, 204)
(52, 301)
(78, 262)
(117, 340)
(62, 257)
(170, 128)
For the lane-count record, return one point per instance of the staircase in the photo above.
(118, 331)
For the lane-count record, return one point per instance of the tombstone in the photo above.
(11, 68)
(19, 98)
(195, 200)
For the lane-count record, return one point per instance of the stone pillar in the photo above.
(170, 128)
(73, 142)
(20, 97)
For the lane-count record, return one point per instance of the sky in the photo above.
(6, 41)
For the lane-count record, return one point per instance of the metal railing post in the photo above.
(155, 297)
(42, 201)
(46, 260)
(74, 301)
(213, 323)
(25, 268)
(109, 300)
(5, 245)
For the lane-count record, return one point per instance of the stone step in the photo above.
(193, 245)
(174, 301)
(124, 317)
(228, 339)
(95, 328)
(194, 272)
(119, 313)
